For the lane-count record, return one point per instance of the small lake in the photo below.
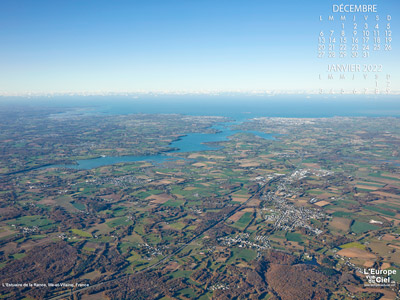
(192, 142)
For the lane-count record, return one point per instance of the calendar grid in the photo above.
(351, 44)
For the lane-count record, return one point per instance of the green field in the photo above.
(31, 221)
(242, 253)
(123, 247)
(379, 175)
(19, 255)
(119, 222)
(178, 225)
(379, 210)
(78, 205)
(353, 245)
(89, 249)
(294, 237)
(181, 274)
(361, 227)
(173, 203)
(81, 233)
(188, 292)
(343, 214)
(315, 192)
(244, 220)
(119, 211)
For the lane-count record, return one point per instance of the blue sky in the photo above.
(169, 45)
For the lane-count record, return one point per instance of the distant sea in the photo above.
(237, 107)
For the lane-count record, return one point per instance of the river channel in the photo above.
(192, 142)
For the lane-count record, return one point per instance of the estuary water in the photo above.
(236, 107)
(192, 142)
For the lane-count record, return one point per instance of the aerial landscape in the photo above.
(276, 205)
(175, 150)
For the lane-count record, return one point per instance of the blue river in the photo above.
(238, 108)
(192, 142)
